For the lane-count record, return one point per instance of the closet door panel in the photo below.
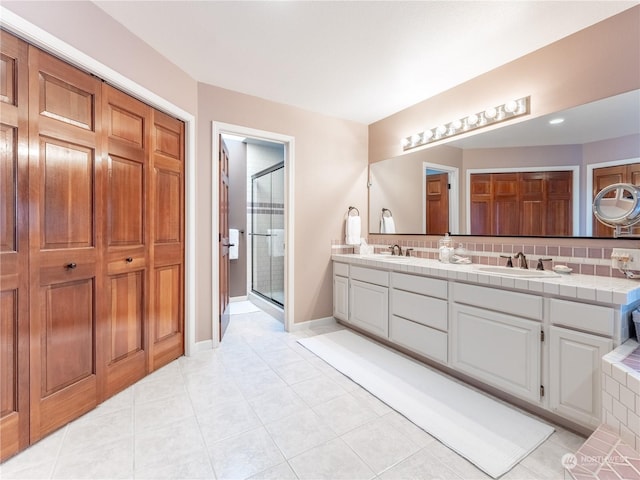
(14, 247)
(167, 210)
(125, 204)
(68, 338)
(8, 177)
(125, 330)
(66, 195)
(66, 180)
(168, 207)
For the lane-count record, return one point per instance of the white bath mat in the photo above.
(238, 308)
(491, 435)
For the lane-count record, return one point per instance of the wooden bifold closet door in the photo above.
(91, 242)
(65, 238)
(14, 248)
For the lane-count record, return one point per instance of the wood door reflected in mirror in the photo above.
(437, 201)
(601, 133)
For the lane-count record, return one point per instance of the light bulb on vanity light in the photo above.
(511, 106)
(490, 113)
(427, 135)
(415, 139)
(472, 119)
(441, 130)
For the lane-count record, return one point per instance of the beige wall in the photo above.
(595, 63)
(331, 154)
(330, 174)
(84, 26)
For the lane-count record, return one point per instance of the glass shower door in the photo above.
(267, 249)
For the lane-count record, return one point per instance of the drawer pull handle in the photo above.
(129, 259)
(71, 265)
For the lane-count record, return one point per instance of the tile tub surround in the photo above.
(584, 255)
(603, 456)
(621, 392)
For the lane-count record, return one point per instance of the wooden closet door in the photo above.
(437, 192)
(559, 211)
(65, 237)
(14, 247)
(481, 201)
(166, 209)
(126, 123)
(506, 215)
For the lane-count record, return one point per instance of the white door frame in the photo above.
(49, 43)
(219, 128)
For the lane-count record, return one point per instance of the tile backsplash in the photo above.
(586, 256)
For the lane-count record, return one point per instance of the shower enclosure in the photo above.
(267, 239)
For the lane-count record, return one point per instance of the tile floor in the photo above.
(260, 406)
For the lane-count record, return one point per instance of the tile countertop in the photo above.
(615, 291)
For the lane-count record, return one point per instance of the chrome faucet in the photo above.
(393, 249)
(522, 258)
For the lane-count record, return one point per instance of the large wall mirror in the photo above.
(537, 177)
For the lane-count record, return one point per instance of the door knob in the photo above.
(129, 259)
(71, 265)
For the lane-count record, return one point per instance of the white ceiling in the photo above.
(357, 60)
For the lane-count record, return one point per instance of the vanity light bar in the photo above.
(490, 116)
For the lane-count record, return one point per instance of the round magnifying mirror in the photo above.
(618, 205)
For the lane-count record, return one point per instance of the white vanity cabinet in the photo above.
(575, 358)
(341, 291)
(534, 340)
(419, 315)
(491, 342)
(369, 300)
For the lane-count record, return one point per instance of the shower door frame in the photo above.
(270, 298)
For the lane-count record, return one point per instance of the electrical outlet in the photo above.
(627, 258)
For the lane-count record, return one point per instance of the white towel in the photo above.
(234, 242)
(387, 225)
(352, 230)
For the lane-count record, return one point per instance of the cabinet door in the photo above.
(499, 349)
(574, 365)
(369, 307)
(341, 298)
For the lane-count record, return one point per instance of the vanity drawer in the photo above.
(582, 316)
(341, 269)
(369, 275)
(422, 285)
(419, 308)
(520, 304)
(418, 338)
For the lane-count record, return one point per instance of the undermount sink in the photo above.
(516, 272)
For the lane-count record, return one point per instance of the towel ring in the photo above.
(351, 209)
(386, 213)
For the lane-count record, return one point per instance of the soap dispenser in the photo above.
(445, 248)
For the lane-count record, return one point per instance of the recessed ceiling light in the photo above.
(556, 121)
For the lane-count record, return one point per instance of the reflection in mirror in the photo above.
(596, 145)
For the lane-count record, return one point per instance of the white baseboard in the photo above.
(203, 345)
(312, 323)
(239, 299)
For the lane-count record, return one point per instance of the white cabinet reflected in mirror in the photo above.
(526, 179)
